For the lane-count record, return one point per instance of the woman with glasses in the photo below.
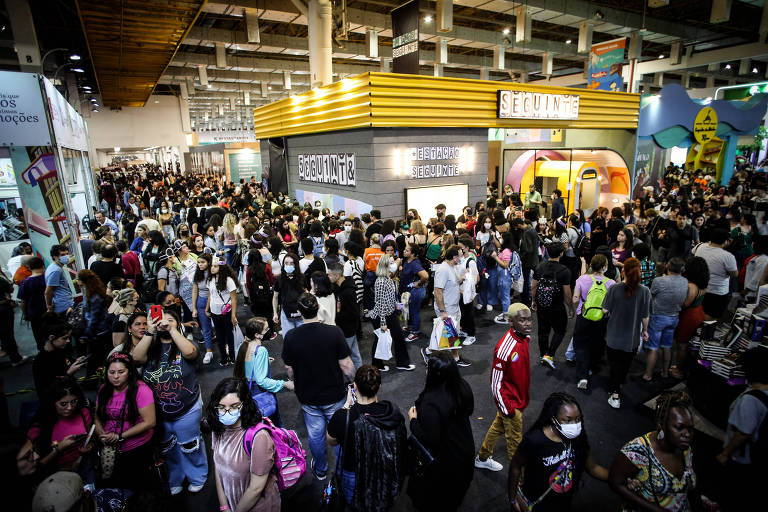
(244, 482)
(59, 427)
(125, 419)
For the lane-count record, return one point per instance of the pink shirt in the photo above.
(77, 423)
(144, 398)
(584, 283)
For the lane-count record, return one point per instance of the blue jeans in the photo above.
(504, 287)
(184, 449)
(355, 351)
(229, 253)
(289, 323)
(414, 308)
(661, 330)
(205, 322)
(348, 485)
(316, 418)
(488, 288)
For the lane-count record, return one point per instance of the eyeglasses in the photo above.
(223, 410)
(71, 403)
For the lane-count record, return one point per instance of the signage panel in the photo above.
(22, 114)
(331, 169)
(536, 105)
(605, 62)
(405, 38)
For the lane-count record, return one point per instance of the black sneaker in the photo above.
(224, 362)
(21, 361)
(317, 474)
(463, 362)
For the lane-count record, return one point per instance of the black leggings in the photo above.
(467, 317)
(618, 363)
(555, 320)
(589, 344)
(224, 336)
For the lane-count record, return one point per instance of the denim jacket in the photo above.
(95, 314)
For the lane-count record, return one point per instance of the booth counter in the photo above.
(393, 142)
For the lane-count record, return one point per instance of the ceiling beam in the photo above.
(733, 53)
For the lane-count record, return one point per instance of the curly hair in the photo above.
(92, 284)
(249, 413)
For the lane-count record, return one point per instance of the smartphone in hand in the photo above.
(156, 312)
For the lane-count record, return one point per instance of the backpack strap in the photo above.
(250, 433)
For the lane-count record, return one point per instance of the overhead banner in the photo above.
(605, 61)
(22, 114)
(219, 136)
(333, 169)
(68, 125)
(405, 38)
(536, 105)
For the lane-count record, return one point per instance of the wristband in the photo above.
(225, 507)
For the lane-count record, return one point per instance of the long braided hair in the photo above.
(669, 400)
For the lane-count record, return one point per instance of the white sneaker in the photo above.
(176, 490)
(614, 402)
(462, 334)
(488, 463)
(489, 308)
(478, 307)
(195, 488)
(501, 319)
(207, 358)
(469, 340)
(582, 384)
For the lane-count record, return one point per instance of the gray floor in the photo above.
(608, 429)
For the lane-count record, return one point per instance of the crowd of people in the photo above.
(171, 259)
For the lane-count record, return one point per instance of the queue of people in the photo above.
(160, 290)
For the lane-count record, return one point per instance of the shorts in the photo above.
(661, 330)
(715, 305)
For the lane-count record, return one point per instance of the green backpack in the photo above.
(593, 306)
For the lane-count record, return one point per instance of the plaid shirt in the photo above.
(647, 271)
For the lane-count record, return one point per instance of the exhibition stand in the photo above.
(234, 153)
(393, 142)
(45, 143)
(708, 131)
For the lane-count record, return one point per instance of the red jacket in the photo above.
(511, 373)
(131, 267)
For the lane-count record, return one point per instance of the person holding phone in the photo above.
(55, 359)
(59, 427)
(170, 361)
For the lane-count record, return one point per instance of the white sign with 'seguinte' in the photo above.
(333, 169)
(536, 105)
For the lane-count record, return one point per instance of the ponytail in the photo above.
(631, 275)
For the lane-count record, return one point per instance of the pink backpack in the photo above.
(290, 458)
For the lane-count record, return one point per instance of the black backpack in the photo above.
(583, 245)
(487, 253)
(548, 290)
(381, 464)
(259, 291)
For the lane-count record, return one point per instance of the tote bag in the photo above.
(264, 399)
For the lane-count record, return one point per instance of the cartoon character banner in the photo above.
(605, 61)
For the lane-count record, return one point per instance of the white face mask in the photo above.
(569, 430)
(164, 210)
(487, 225)
(393, 267)
(348, 228)
(295, 218)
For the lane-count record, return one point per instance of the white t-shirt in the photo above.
(755, 269)
(720, 263)
(219, 299)
(446, 278)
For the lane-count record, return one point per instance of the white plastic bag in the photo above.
(239, 339)
(384, 346)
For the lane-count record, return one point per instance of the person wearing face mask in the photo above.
(244, 482)
(289, 285)
(661, 461)
(554, 453)
(385, 314)
(343, 236)
(165, 218)
(170, 362)
(58, 292)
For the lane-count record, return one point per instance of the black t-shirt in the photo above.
(313, 350)
(552, 464)
(562, 276)
(336, 428)
(47, 366)
(106, 270)
(288, 296)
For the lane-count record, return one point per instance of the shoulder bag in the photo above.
(108, 453)
(266, 400)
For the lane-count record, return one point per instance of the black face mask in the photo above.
(183, 233)
(163, 335)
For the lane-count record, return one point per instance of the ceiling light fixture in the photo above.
(568, 41)
(505, 31)
(754, 70)
(74, 56)
(95, 104)
(95, 110)
(661, 56)
(427, 19)
(117, 149)
(727, 66)
(78, 70)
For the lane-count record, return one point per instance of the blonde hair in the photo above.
(447, 242)
(515, 308)
(229, 223)
(418, 227)
(382, 269)
(376, 239)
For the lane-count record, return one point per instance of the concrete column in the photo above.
(247, 97)
(685, 80)
(252, 25)
(232, 103)
(585, 73)
(438, 71)
(186, 123)
(25, 38)
(203, 74)
(585, 36)
(483, 73)
(721, 11)
(635, 45)
(522, 24)
(442, 51)
(183, 90)
(190, 86)
(287, 80)
(319, 18)
(710, 82)
(385, 65)
(744, 67)
(264, 88)
(658, 79)
(221, 56)
(371, 43)
(444, 15)
(676, 52)
(547, 59)
(498, 56)
(712, 66)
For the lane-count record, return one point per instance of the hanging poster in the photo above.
(22, 115)
(605, 61)
(405, 38)
(68, 125)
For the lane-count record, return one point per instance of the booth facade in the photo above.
(393, 142)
